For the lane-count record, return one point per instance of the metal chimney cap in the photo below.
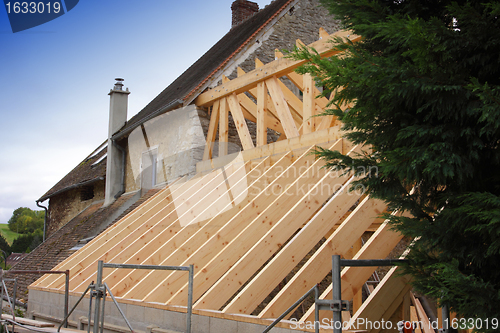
(119, 79)
(118, 84)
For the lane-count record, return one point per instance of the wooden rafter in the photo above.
(239, 121)
(383, 302)
(378, 246)
(282, 108)
(318, 266)
(208, 270)
(264, 248)
(276, 68)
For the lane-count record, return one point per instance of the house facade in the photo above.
(218, 172)
(167, 138)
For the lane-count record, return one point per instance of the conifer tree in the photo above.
(423, 91)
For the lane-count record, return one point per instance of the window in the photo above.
(149, 168)
(87, 193)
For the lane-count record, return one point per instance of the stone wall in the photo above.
(65, 206)
(302, 22)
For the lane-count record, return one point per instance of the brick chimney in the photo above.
(243, 9)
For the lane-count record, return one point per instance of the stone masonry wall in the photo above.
(65, 206)
(301, 22)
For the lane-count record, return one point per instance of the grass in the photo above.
(9, 235)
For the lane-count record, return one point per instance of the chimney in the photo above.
(115, 164)
(118, 105)
(243, 9)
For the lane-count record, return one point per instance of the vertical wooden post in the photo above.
(223, 128)
(405, 308)
(357, 300)
(212, 130)
(309, 105)
(261, 114)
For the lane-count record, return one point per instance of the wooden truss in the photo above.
(261, 97)
(262, 222)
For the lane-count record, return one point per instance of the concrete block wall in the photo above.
(48, 306)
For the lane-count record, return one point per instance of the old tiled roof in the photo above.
(85, 173)
(196, 75)
(57, 247)
(188, 84)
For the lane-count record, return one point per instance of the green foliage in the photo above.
(7, 233)
(27, 242)
(25, 220)
(425, 90)
(5, 250)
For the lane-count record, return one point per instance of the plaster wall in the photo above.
(178, 140)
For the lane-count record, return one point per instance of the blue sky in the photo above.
(54, 80)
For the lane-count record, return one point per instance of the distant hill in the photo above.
(9, 235)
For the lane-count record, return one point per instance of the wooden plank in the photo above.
(71, 263)
(282, 108)
(326, 122)
(279, 267)
(405, 307)
(383, 302)
(133, 240)
(29, 322)
(189, 210)
(276, 68)
(199, 247)
(293, 101)
(223, 128)
(240, 123)
(378, 246)
(358, 297)
(424, 320)
(258, 63)
(414, 318)
(261, 114)
(249, 215)
(263, 249)
(325, 136)
(318, 266)
(104, 238)
(308, 112)
(323, 34)
(221, 210)
(212, 129)
(298, 80)
(288, 206)
(248, 105)
(115, 234)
